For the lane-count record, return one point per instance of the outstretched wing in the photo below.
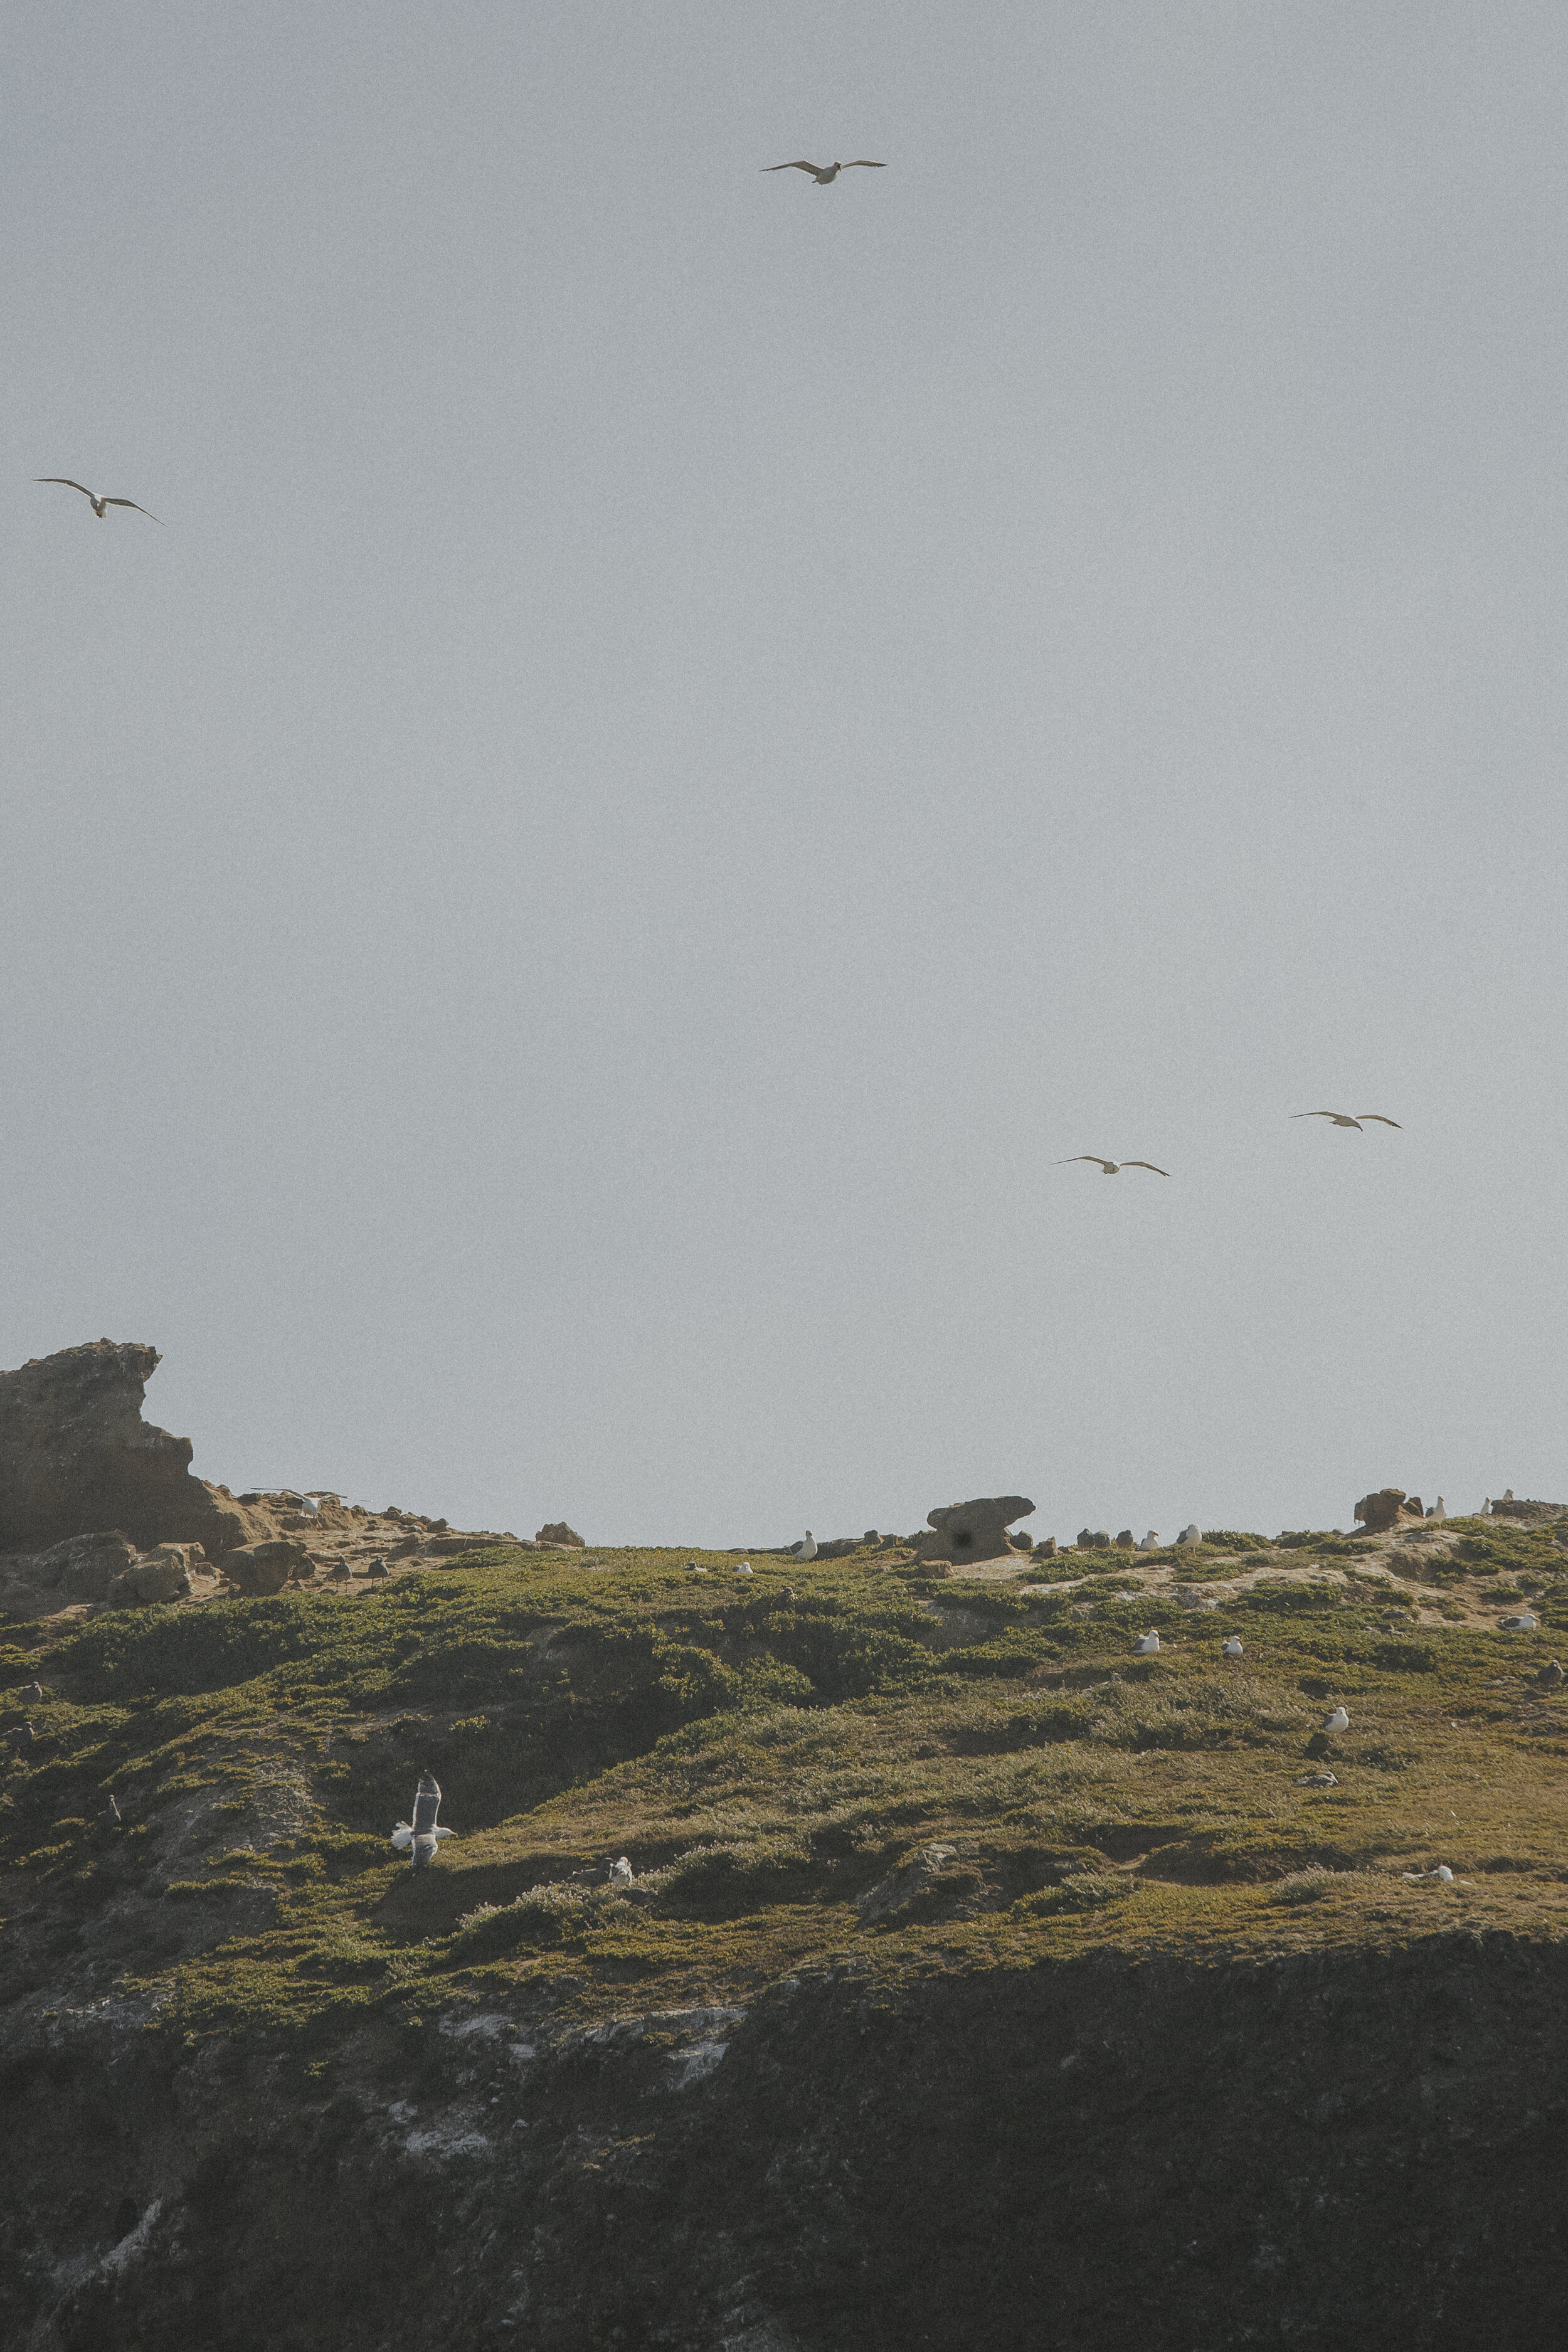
(65, 481)
(862, 164)
(151, 516)
(1324, 1114)
(1145, 1163)
(1380, 1119)
(402, 1836)
(1084, 1155)
(791, 167)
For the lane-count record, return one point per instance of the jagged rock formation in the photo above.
(76, 1456)
(1377, 1513)
(557, 1532)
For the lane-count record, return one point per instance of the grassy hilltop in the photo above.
(767, 1750)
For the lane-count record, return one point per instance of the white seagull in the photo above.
(807, 1547)
(745, 1569)
(1231, 1648)
(1337, 1721)
(1443, 1875)
(1109, 1167)
(621, 1875)
(94, 502)
(1145, 1645)
(418, 1839)
(1523, 1623)
(1323, 1779)
(826, 174)
(1343, 1119)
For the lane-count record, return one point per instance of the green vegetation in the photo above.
(767, 1750)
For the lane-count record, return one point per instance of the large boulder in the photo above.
(977, 1530)
(161, 1574)
(557, 1532)
(75, 1455)
(84, 1567)
(262, 1567)
(1380, 1511)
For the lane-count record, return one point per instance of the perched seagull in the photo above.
(94, 502)
(826, 174)
(1552, 1676)
(1337, 1721)
(621, 1875)
(1323, 1779)
(1443, 1875)
(1523, 1623)
(1191, 1534)
(1145, 1645)
(1151, 1542)
(1232, 1647)
(24, 1736)
(418, 1839)
(807, 1547)
(32, 1692)
(1343, 1119)
(1109, 1167)
(378, 1567)
(745, 1569)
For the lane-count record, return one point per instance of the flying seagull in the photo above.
(418, 1839)
(1109, 1167)
(94, 502)
(826, 174)
(1343, 1119)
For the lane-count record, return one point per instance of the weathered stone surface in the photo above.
(1380, 1511)
(75, 1455)
(265, 1567)
(1533, 1514)
(556, 1531)
(161, 1574)
(975, 1530)
(84, 1567)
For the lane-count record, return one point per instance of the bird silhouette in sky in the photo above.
(826, 174)
(94, 502)
(1343, 1119)
(1109, 1167)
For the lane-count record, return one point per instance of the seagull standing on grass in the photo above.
(418, 1839)
(807, 1547)
(826, 174)
(1145, 1645)
(94, 502)
(621, 1875)
(1338, 1721)
(1231, 1648)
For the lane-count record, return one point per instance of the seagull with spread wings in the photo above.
(826, 174)
(94, 502)
(1343, 1119)
(1110, 1167)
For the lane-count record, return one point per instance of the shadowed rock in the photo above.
(265, 1567)
(75, 1455)
(1380, 1511)
(556, 1531)
(975, 1530)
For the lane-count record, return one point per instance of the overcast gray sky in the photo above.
(686, 734)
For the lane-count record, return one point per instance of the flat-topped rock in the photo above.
(962, 1532)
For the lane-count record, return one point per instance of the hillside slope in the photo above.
(975, 1969)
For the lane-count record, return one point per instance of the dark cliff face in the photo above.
(76, 1456)
(1108, 2153)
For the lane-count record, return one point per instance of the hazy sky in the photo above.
(687, 734)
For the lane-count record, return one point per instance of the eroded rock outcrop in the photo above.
(76, 1458)
(973, 1531)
